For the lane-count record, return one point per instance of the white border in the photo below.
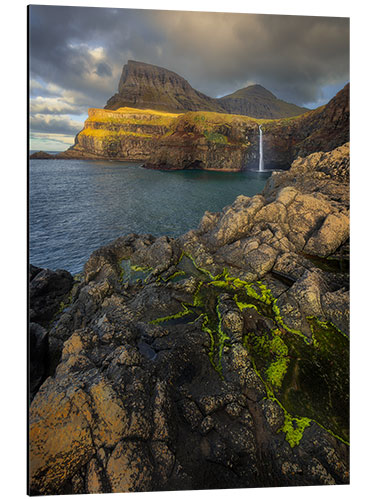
(13, 248)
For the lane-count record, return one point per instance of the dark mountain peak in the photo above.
(145, 73)
(143, 85)
(253, 90)
(258, 102)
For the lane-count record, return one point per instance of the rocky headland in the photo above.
(218, 359)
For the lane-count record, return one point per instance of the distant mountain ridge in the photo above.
(145, 86)
(258, 102)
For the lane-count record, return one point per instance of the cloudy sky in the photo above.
(76, 56)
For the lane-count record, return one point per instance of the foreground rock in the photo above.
(49, 293)
(215, 360)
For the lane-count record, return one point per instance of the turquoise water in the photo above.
(76, 206)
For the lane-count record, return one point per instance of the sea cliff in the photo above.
(127, 133)
(218, 359)
(208, 140)
(159, 119)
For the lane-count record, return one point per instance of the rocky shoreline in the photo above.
(219, 359)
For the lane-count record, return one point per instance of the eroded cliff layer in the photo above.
(125, 134)
(219, 359)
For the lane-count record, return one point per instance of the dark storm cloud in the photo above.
(291, 56)
(102, 69)
(63, 42)
(82, 50)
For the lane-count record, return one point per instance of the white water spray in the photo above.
(261, 164)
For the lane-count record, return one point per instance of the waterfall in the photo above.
(261, 164)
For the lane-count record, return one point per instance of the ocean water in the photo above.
(76, 206)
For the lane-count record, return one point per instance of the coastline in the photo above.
(136, 293)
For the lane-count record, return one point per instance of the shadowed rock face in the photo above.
(49, 293)
(211, 360)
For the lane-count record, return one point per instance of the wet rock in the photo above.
(208, 222)
(160, 252)
(191, 413)
(307, 293)
(164, 460)
(95, 472)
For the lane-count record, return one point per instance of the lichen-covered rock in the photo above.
(59, 433)
(236, 220)
(129, 467)
(333, 232)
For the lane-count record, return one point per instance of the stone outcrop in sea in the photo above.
(218, 359)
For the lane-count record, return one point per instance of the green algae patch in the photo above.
(308, 380)
(132, 273)
(270, 355)
(308, 376)
(277, 370)
(172, 317)
(316, 382)
(294, 428)
(175, 277)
